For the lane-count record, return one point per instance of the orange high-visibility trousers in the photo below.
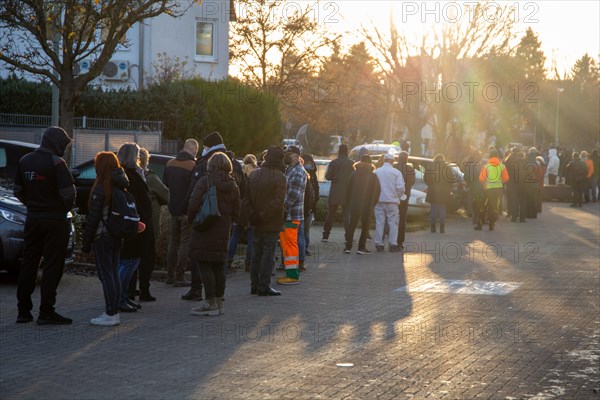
(289, 245)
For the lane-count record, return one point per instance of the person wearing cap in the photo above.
(45, 186)
(386, 209)
(294, 215)
(338, 172)
(362, 194)
(264, 204)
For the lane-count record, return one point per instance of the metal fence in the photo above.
(90, 135)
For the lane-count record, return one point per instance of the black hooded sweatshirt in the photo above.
(43, 181)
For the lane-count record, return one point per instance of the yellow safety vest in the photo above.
(494, 176)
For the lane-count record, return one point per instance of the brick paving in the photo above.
(541, 341)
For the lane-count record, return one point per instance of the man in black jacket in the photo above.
(264, 202)
(408, 173)
(338, 172)
(44, 184)
(177, 177)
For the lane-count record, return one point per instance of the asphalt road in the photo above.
(509, 314)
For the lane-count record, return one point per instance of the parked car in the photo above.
(375, 149)
(85, 175)
(13, 212)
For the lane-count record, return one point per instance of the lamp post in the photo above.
(558, 92)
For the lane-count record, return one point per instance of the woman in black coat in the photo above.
(134, 246)
(209, 247)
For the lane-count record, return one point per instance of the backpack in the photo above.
(123, 218)
(209, 210)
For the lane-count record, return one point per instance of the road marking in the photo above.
(495, 288)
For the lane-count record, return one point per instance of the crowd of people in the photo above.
(269, 199)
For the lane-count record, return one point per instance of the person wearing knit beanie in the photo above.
(213, 139)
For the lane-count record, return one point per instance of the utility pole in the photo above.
(56, 46)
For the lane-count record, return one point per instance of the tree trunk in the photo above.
(68, 97)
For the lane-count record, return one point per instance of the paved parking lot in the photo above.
(509, 314)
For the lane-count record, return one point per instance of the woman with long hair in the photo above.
(134, 246)
(109, 175)
(209, 247)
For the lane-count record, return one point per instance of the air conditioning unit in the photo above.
(83, 67)
(116, 70)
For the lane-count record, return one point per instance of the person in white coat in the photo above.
(386, 209)
(553, 166)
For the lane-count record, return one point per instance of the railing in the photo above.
(82, 122)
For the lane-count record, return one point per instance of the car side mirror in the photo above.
(75, 172)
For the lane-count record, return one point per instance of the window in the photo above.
(205, 41)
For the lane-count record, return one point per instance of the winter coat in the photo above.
(309, 197)
(135, 246)
(576, 172)
(159, 195)
(294, 198)
(177, 177)
(553, 162)
(210, 245)
(265, 196)
(363, 190)
(98, 212)
(439, 179)
(490, 181)
(338, 172)
(43, 181)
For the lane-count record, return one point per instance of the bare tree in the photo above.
(436, 60)
(275, 42)
(49, 38)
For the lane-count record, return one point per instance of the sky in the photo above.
(566, 29)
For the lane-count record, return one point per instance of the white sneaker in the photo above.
(106, 320)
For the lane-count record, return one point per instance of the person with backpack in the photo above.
(208, 247)
(134, 245)
(110, 183)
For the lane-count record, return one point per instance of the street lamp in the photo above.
(558, 92)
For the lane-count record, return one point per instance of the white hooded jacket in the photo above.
(553, 162)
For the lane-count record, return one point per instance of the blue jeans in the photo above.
(126, 269)
(301, 243)
(233, 242)
(106, 252)
(437, 210)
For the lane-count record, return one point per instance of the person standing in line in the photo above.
(264, 202)
(362, 194)
(309, 214)
(107, 248)
(386, 209)
(541, 173)
(516, 186)
(45, 186)
(408, 174)
(596, 165)
(493, 175)
(338, 172)
(553, 166)
(177, 177)
(241, 226)
(576, 174)
(159, 195)
(208, 248)
(439, 178)
(134, 246)
(587, 184)
(294, 215)
(309, 199)
(213, 143)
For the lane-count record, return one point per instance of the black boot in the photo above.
(442, 228)
(432, 228)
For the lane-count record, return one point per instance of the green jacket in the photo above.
(159, 194)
